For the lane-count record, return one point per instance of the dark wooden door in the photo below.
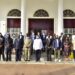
(41, 24)
(69, 23)
(13, 23)
(13, 26)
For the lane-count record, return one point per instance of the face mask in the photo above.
(20, 34)
(50, 37)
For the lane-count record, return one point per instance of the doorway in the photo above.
(41, 25)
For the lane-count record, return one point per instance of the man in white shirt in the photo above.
(37, 46)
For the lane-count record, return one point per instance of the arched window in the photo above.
(41, 13)
(14, 12)
(68, 13)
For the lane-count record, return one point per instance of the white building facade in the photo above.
(50, 12)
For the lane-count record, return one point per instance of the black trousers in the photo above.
(49, 51)
(8, 54)
(38, 55)
(2, 53)
(18, 54)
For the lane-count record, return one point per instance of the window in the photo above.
(14, 12)
(41, 13)
(68, 13)
(69, 30)
(13, 24)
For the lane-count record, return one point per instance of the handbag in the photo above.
(71, 55)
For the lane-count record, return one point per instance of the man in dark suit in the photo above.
(49, 41)
(56, 44)
(8, 47)
(19, 42)
(43, 37)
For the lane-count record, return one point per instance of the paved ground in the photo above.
(37, 68)
(21, 68)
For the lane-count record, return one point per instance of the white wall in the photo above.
(48, 5)
(51, 6)
(69, 4)
(33, 5)
(5, 7)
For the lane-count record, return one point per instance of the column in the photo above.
(3, 27)
(60, 17)
(23, 17)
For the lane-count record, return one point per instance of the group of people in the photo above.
(7, 44)
(60, 47)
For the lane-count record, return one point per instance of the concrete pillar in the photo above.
(3, 27)
(60, 17)
(23, 17)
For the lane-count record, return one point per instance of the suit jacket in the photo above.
(9, 43)
(56, 44)
(17, 43)
(49, 42)
(43, 37)
(27, 43)
(2, 42)
(21, 41)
